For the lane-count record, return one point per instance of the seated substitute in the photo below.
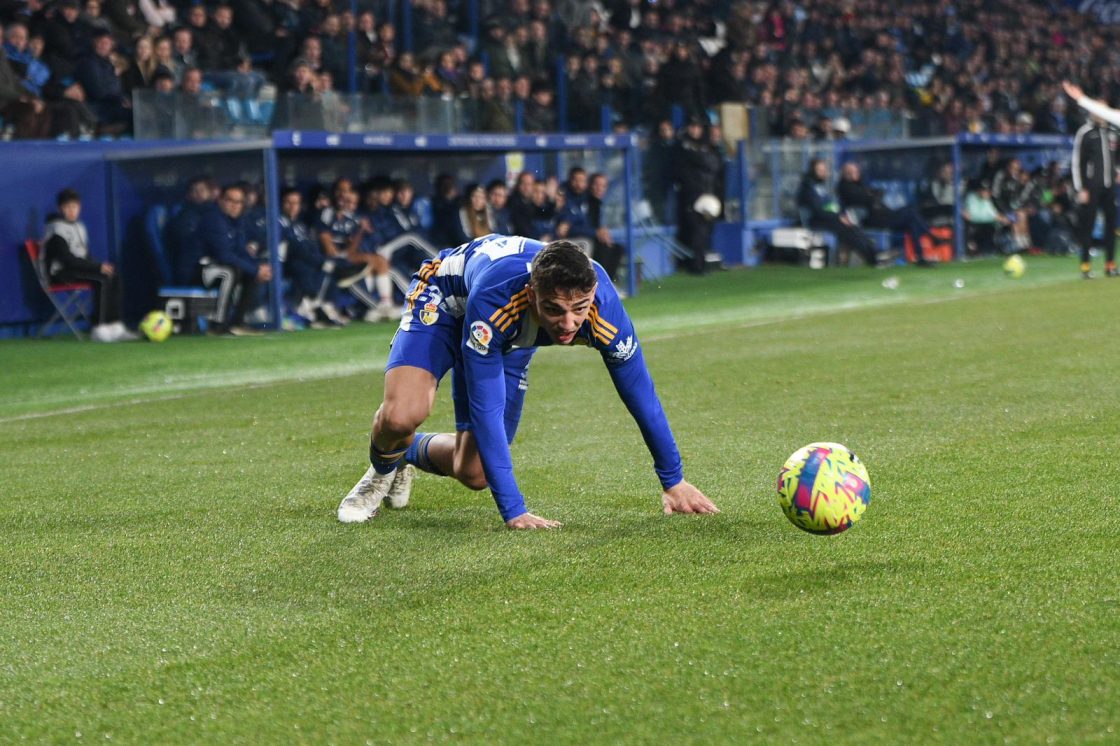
(859, 199)
(481, 310)
(313, 275)
(66, 258)
(341, 235)
(821, 212)
(223, 260)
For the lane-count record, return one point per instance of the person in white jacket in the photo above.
(1094, 179)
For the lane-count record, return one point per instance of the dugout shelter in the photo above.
(121, 182)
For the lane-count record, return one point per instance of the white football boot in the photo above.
(364, 500)
(401, 488)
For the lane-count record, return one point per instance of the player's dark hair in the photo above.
(67, 196)
(562, 267)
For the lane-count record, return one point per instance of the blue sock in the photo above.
(417, 454)
(384, 462)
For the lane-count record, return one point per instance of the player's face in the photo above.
(292, 205)
(562, 313)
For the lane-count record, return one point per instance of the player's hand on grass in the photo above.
(684, 498)
(528, 520)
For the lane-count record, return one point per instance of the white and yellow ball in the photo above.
(1015, 266)
(823, 488)
(156, 326)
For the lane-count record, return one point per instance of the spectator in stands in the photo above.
(573, 217)
(199, 115)
(497, 203)
(312, 273)
(697, 170)
(183, 54)
(27, 112)
(158, 14)
(379, 58)
(334, 47)
(165, 57)
(408, 78)
(143, 67)
(301, 107)
(864, 207)
(681, 81)
(474, 217)
(431, 28)
(223, 260)
(585, 98)
(227, 66)
(537, 52)
(67, 39)
(496, 106)
(32, 71)
(182, 231)
(105, 94)
(1056, 120)
(820, 211)
(606, 251)
(540, 113)
(67, 259)
(452, 79)
(91, 14)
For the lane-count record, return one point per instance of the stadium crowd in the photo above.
(71, 67)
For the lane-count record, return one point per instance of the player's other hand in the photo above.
(1072, 90)
(528, 520)
(684, 498)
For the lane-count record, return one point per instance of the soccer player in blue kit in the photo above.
(480, 311)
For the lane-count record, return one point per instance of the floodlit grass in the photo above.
(171, 569)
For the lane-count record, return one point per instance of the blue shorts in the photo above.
(430, 338)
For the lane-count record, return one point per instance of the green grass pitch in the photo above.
(171, 570)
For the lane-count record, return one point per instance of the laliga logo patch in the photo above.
(625, 349)
(481, 334)
(430, 314)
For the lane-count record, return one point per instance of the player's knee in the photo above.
(397, 421)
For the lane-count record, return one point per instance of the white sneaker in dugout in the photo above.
(334, 314)
(364, 500)
(103, 333)
(123, 334)
(401, 488)
(390, 312)
(306, 308)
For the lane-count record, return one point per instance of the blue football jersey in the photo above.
(485, 283)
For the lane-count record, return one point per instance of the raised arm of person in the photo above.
(1091, 105)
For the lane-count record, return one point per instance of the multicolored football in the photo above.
(823, 488)
(156, 326)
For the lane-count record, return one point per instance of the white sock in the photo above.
(384, 289)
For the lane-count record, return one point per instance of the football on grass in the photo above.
(823, 488)
(1015, 267)
(156, 326)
